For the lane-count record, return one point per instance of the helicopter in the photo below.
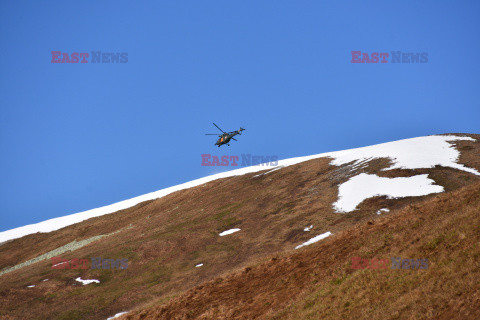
(225, 137)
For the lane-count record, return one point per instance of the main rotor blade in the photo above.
(212, 134)
(218, 127)
(234, 139)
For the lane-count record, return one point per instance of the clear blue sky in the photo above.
(78, 136)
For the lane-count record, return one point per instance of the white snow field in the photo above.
(422, 152)
(59, 264)
(383, 210)
(227, 232)
(117, 315)
(315, 239)
(308, 228)
(415, 153)
(363, 186)
(85, 282)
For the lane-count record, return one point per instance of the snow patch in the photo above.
(315, 239)
(308, 228)
(199, 265)
(85, 282)
(275, 169)
(383, 210)
(31, 286)
(415, 153)
(227, 232)
(363, 186)
(60, 263)
(117, 315)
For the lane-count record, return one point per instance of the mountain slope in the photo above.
(319, 282)
(165, 239)
(415, 153)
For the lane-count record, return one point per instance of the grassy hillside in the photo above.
(164, 239)
(318, 282)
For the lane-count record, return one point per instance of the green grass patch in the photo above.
(227, 210)
(340, 280)
(433, 244)
(73, 314)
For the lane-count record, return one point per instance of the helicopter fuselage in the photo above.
(225, 138)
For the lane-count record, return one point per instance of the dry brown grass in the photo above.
(164, 239)
(319, 283)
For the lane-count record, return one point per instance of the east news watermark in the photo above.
(359, 263)
(389, 57)
(93, 263)
(95, 56)
(244, 160)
